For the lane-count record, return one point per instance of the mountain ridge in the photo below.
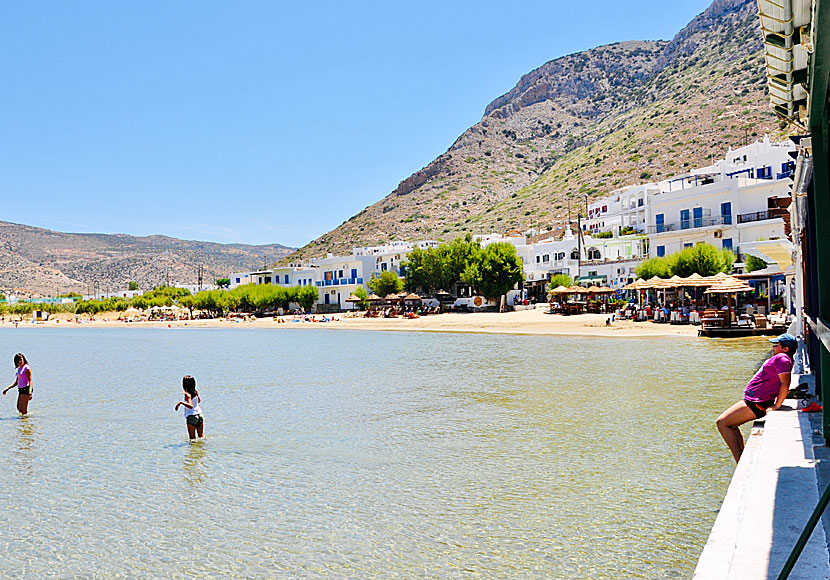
(40, 261)
(582, 124)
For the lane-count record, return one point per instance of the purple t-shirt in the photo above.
(765, 385)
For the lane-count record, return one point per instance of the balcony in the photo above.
(339, 282)
(760, 216)
(691, 224)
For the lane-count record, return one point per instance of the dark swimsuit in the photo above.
(759, 407)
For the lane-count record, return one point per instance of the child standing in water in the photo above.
(23, 382)
(192, 411)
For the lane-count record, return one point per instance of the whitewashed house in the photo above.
(740, 199)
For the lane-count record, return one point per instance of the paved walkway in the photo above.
(772, 494)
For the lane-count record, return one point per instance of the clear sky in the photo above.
(261, 122)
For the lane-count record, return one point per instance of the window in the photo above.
(593, 254)
(661, 251)
(698, 217)
(383, 267)
(546, 258)
(537, 259)
(575, 254)
(687, 245)
(726, 212)
(685, 222)
(286, 278)
(659, 221)
(727, 243)
(237, 280)
(640, 202)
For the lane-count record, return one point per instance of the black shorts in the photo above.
(759, 407)
(24, 391)
(195, 420)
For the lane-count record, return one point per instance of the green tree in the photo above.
(361, 293)
(187, 302)
(213, 301)
(754, 263)
(387, 283)
(133, 285)
(659, 266)
(223, 282)
(307, 297)
(495, 272)
(704, 259)
(559, 280)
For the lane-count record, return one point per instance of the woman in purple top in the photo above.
(767, 390)
(23, 382)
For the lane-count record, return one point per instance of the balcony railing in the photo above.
(702, 222)
(759, 216)
(339, 282)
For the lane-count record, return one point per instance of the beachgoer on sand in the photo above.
(23, 382)
(766, 390)
(192, 411)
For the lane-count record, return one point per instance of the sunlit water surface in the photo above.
(364, 455)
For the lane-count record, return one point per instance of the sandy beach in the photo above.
(531, 322)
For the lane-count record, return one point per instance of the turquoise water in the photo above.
(343, 454)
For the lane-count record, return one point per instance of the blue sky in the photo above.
(260, 122)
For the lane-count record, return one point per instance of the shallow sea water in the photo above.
(339, 454)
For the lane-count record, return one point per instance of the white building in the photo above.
(740, 199)
(625, 210)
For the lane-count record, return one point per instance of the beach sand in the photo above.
(533, 322)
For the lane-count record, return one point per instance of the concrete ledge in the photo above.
(772, 494)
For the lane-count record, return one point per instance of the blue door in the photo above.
(660, 225)
(698, 216)
(685, 223)
(726, 212)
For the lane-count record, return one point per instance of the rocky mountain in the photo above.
(584, 125)
(45, 262)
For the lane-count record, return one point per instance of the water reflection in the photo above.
(194, 463)
(25, 449)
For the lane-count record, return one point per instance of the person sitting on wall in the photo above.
(766, 390)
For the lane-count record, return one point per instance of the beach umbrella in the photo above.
(560, 290)
(656, 283)
(353, 298)
(391, 297)
(729, 286)
(592, 289)
(402, 294)
(374, 298)
(413, 298)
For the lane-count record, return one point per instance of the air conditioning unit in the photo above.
(718, 234)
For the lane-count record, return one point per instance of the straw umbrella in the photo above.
(729, 286)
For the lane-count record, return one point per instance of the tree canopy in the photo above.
(387, 283)
(495, 272)
(703, 258)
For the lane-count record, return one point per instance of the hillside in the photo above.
(40, 261)
(584, 124)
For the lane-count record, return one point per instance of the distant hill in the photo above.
(40, 261)
(584, 124)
